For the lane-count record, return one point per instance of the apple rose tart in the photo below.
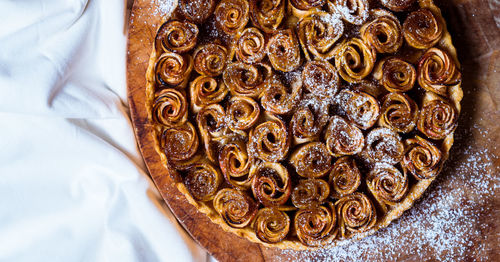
(299, 124)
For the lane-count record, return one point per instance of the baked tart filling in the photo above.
(302, 123)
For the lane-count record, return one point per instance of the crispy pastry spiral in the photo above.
(384, 33)
(437, 71)
(271, 183)
(353, 11)
(307, 4)
(399, 112)
(270, 140)
(384, 145)
(231, 16)
(235, 207)
(179, 143)
(437, 119)
(242, 113)
(318, 33)
(397, 5)
(320, 78)
(170, 107)
(235, 163)
(361, 108)
(344, 178)
(271, 225)
(267, 14)
(397, 75)
(251, 46)
(387, 184)
(422, 29)
(173, 69)
(316, 225)
(354, 60)
(356, 213)
(205, 90)
(310, 192)
(197, 11)
(210, 121)
(247, 80)
(278, 100)
(422, 158)
(210, 59)
(311, 160)
(305, 125)
(283, 51)
(176, 36)
(343, 138)
(202, 180)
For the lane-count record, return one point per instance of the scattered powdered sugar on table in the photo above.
(446, 222)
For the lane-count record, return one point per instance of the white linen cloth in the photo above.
(73, 186)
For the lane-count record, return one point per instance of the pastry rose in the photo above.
(356, 214)
(267, 14)
(316, 225)
(170, 107)
(344, 178)
(318, 33)
(231, 16)
(176, 36)
(422, 29)
(202, 180)
(271, 225)
(271, 183)
(438, 118)
(399, 112)
(311, 160)
(283, 51)
(437, 71)
(235, 207)
(310, 192)
(422, 158)
(354, 60)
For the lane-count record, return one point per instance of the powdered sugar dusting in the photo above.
(448, 222)
(163, 7)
